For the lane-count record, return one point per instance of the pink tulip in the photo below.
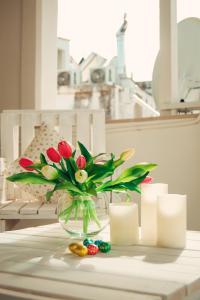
(53, 155)
(148, 179)
(81, 162)
(64, 149)
(25, 162)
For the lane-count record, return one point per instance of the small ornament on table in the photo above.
(104, 247)
(87, 242)
(78, 249)
(92, 249)
(98, 242)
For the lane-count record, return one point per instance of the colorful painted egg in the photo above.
(73, 246)
(81, 250)
(86, 242)
(78, 249)
(98, 242)
(105, 247)
(92, 249)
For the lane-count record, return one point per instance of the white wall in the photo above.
(28, 54)
(46, 54)
(174, 145)
(10, 53)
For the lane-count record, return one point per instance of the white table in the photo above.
(35, 265)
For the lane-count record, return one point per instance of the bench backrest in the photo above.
(18, 128)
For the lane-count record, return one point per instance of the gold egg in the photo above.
(73, 246)
(81, 250)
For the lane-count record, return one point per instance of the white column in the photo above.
(95, 100)
(115, 113)
(168, 63)
(121, 64)
(46, 54)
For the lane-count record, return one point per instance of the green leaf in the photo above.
(73, 164)
(29, 178)
(43, 159)
(134, 172)
(131, 185)
(61, 172)
(139, 179)
(85, 152)
(96, 156)
(63, 165)
(73, 153)
(37, 166)
(91, 188)
(70, 170)
(49, 195)
(101, 171)
(68, 186)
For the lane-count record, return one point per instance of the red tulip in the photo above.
(64, 149)
(148, 179)
(25, 162)
(81, 162)
(53, 155)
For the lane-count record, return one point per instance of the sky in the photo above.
(91, 26)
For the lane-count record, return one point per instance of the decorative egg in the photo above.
(98, 242)
(81, 250)
(73, 246)
(86, 242)
(92, 249)
(105, 247)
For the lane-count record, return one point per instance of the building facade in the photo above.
(96, 83)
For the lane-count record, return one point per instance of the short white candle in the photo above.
(149, 193)
(124, 227)
(172, 222)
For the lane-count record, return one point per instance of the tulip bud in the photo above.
(81, 176)
(53, 155)
(148, 179)
(127, 154)
(64, 149)
(81, 162)
(49, 172)
(25, 162)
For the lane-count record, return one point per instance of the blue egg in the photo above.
(98, 242)
(87, 242)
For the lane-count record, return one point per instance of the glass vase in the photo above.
(83, 216)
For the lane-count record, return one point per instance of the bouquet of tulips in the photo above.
(82, 177)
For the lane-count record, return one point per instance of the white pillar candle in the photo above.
(172, 222)
(124, 227)
(149, 193)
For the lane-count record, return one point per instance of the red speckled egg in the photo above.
(92, 249)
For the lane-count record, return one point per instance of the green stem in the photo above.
(86, 217)
(76, 208)
(93, 214)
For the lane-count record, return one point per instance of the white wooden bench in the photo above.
(17, 131)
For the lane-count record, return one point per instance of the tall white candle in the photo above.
(149, 194)
(124, 227)
(172, 222)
